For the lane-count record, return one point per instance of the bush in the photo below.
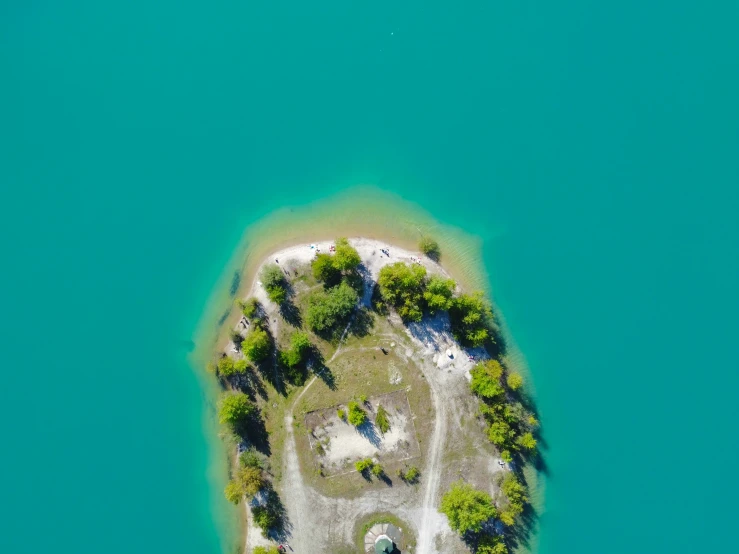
(250, 308)
(346, 257)
(357, 416)
(402, 286)
(438, 293)
(382, 421)
(233, 492)
(430, 247)
(240, 366)
(274, 283)
(467, 508)
(471, 318)
(486, 380)
(324, 269)
(265, 550)
(257, 344)
(327, 309)
(527, 441)
(300, 346)
(251, 480)
(341, 414)
(377, 470)
(236, 409)
(515, 381)
(364, 465)
(411, 475)
(363, 398)
(515, 493)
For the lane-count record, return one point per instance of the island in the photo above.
(370, 408)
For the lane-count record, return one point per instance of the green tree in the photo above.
(346, 257)
(438, 293)
(411, 475)
(233, 492)
(402, 286)
(325, 270)
(500, 433)
(527, 441)
(300, 345)
(236, 409)
(515, 494)
(514, 380)
(250, 308)
(381, 420)
(430, 247)
(226, 366)
(251, 480)
(327, 309)
(486, 380)
(364, 465)
(491, 544)
(236, 337)
(240, 366)
(274, 283)
(257, 344)
(250, 458)
(471, 318)
(377, 470)
(467, 508)
(265, 517)
(357, 416)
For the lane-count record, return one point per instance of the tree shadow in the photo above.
(385, 478)
(320, 369)
(368, 430)
(288, 310)
(362, 323)
(253, 431)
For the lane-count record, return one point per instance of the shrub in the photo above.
(346, 257)
(411, 475)
(357, 416)
(515, 493)
(486, 380)
(515, 381)
(377, 470)
(438, 293)
(364, 465)
(402, 286)
(257, 344)
(467, 508)
(430, 247)
(274, 283)
(250, 308)
(363, 398)
(327, 309)
(236, 409)
(381, 420)
(265, 550)
(471, 319)
(341, 414)
(240, 366)
(299, 347)
(324, 269)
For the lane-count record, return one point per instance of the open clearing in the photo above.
(336, 444)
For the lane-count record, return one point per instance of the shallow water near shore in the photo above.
(579, 160)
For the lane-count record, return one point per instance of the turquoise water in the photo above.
(592, 146)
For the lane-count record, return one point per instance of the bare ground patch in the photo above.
(336, 444)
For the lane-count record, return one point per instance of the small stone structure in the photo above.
(383, 538)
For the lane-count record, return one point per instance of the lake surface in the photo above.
(592, 147)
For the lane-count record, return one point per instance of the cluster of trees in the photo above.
(468, 510)
(511, 427)
(514, 499)
(330, 269)
(409, 290)
(274, 283)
